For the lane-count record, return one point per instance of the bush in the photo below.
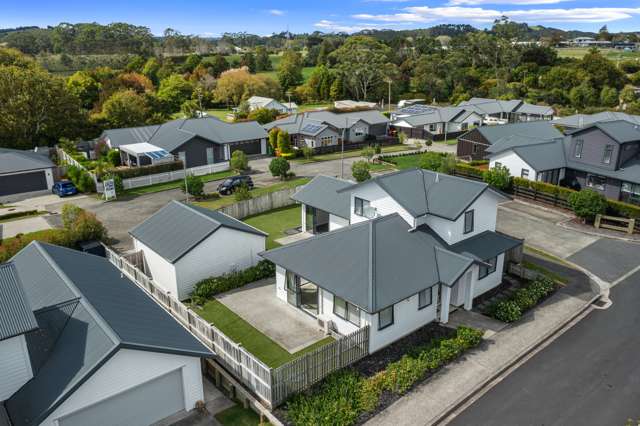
(288, 155)
(307, 152)
(279, 166)
(239, 161)
(85, 182)
(117, 182)
(81, 225)
(522, 300)
(506, 311)
(377, 149)
(132, 172)
(470, 170)
(194, 185)
(242, 193)
(587, 203)
(368, 153)
(360, 171)
(431, 161)
(498, 177)
(209, 287)
(113, 157)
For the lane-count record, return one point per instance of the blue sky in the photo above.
(213, 17)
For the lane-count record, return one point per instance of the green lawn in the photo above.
(175, 184)
(251, 339)
(256, 192)
(448, 142)
(306, 73)
(220, 113)
(612, 54)
(239, 416)
(352, 153)
(275, 222)
(408, 161)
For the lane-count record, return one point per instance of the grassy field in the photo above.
(239, 416)
(408, 161)
(306, 73)
(275, 222)
(612, 54)
(253, 340)
(175, 184)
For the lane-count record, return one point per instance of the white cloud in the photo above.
(338, 27)
(426, 14)
(511, 2)
(276, 12)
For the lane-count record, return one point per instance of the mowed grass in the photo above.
(251, 339)
(611, 54)
(239, 416)
(275, 222)
(408, 161)
(158, 187)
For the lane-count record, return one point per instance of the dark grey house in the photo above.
(578, 121)
(24, 173)
(196, 141)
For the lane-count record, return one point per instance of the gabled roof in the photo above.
(296, 123)
(422, 192)
(15, 160)
(485, 245)
(373, 264)
(16, 315)
(621, 131)
(92, 312)
(438, 115)
(541, 154)
(534, 129)
(494, 106)
(322, 193)
(583, 120)
(178, 227)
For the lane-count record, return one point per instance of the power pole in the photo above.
(389, 103)
(344, 131)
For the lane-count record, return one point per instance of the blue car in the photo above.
(64, 188)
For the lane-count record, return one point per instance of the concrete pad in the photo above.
(608, 259)
(538, 211)
(23, 226)
(258, 304)
(475, 320)
(294, 238)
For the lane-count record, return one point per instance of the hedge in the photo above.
(470, 170)
(132, 172)
(209, 287)
(525, 298)
(344, 396)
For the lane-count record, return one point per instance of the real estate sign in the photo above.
(109, 189)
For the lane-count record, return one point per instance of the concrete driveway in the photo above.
(22, 226)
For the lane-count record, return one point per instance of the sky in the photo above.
(214, 17)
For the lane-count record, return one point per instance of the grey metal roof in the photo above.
(16, 316)
(296, 122)
(14, 160)
(177, 228)
(96, 312)
(621, 131)
(321, 192)
(439, 115)
(387, 261)
(583, 120)
(536, 129)
(541, 154)
(486, 245)
(130, 135)
(494, 106)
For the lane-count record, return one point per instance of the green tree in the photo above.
(431, 161)
(192, 61)
(216, 65)
(284, 142)
(263, 115)
(587, 203)
(151, 69)
(583, 96)
(239, 161)
(360, 171)
(136, 63)
(242, 192)
(173, 91)
(248, 60)
(84, 87)
(263, 61)
(368, 152)
(193, 185)
(279, 167)
(125, 109)
(608, 96)
(273, 138)
(290, 70)
(498, 177)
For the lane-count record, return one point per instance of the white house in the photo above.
(24, 174)
(82, 345)
(257, 102)
(435, 123)
(415, 244)
(183, 244)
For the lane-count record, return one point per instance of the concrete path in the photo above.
(215, 402)
(432, 400)
(22, 226)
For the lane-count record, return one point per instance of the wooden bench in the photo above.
(628, 227)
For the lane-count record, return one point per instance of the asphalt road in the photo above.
(589, 376)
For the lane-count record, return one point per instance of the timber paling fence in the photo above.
(271, 385)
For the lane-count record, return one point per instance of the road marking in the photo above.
(625, 276)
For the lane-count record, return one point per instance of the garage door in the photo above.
(139, 406)
(23, 182)
(249, 148)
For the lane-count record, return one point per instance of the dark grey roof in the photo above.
(486, 245)
(130, 135)
(296, 123)
(386, 263)
(537, 129)
(423, 192)
(16, 316)
(621, 131)
(541, 154)
(14, 160)
(494, 106)
(321, 192)
(177, 228)
(438, 115)
(583, 120)
(94, 311)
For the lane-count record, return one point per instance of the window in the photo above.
(433, 127)
(464, 126)
(486, 270)
(524, 173)
(327, 140)
(631, 188)
(577, 149)
(385, 318)
(346, 310)
(210, 155)
(359, 206)
(359, 131)
(424, 298)
(597, 182)
(468, 221)
(474, 148)
(497, 164)
(182, 156)
(608, 153)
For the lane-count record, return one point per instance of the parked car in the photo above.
(231, 184)
(64, 188)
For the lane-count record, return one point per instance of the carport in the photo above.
(143, 154)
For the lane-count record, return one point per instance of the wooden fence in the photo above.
(272, 386)
(261, 204)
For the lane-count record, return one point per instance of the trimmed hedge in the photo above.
(209, 287)
(344, 396)
(525, 298)
(132, 172)
(470, 170)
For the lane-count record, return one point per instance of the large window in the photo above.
(346, 310)
(577, 150)
(608, 153)
(487, 269)
(326, 141)
(359, 206)
(210, 155)
(385, 318)
(597, 182)
(468, 221)
(425, 298)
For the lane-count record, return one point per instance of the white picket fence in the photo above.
(141, 181)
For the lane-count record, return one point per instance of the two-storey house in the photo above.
(400, 251)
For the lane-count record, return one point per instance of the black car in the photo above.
(230, 185)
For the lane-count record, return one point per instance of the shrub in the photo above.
(113, 157)
(194, 185)
(117, 182)
(87, 227)
(288, 155)
(85, 182)
(402, 137)
(587, 203)
(431, 161)
(284, 142)
(132, 172)
(368, 153)
(279, 167)
(73, 173)
(360, 171)
(209, 287)
(470, 170)
(242, 193)
(523, 299)
(377, 149)
(307, 152)
(618, 208)
(506, 311)
(498, 177)
(239, 161)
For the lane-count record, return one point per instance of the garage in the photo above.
(252, 147)
(140, 406)
(23, 182)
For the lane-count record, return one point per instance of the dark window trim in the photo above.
(522, 173)
(430, 289)
(346, 307)
(578, 152)
(392, 318)
(362, 206)
(486, 269)
(608, 149)
(472, 221)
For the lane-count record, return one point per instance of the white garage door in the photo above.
(139, 406)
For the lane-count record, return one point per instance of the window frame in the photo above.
(348, 309)
(577, 153)
(485, 271)
(420, 293)
(363, 204)
(380, 326)
(607, 155)
(473, 220)
(523, 174)
(591, 184)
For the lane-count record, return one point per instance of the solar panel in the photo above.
(416, 109)
(311, 128)
(156, 155)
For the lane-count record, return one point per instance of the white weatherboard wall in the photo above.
(336, 222)
(341, 325)
(127, 369)
(380, 200)
(514, 163)
(161, 270)
(223, 251)
(490, 281)
(15, 366)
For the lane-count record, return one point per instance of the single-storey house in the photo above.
(416, 244)
(501, 111)
(317, 129)
(578, 121)
(257, 102)
(473, 144)
(24, 174)
(82, 345)
(436, 124)
(182, 244)
(195, 141)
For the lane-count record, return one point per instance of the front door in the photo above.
(293, 289)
